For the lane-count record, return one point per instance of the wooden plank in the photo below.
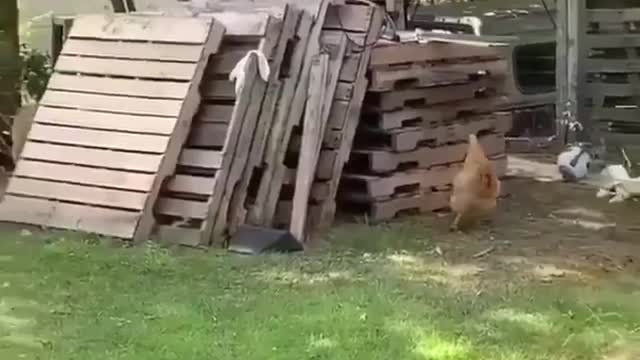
(215, 113)
(602, 41)
(562, 48)
(182, 208)
(126, 68)
(208, 135)
(218, 90)
(77, 193)
(431, 52)
(207, 159)
(132, 50)
(612, 65)
(162, 29)
(189, 184)
(114, 104)
(105, 121)
(348, 18)
(107, 159)
(111, 86)
(613, 89)
(98, 138)
(616, 114)
(243, 24)
(613, 15)
(315, 121)
(83, 175)
(108, 222)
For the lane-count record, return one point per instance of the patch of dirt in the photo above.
(554, 228)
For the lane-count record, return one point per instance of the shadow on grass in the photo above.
(97, 302)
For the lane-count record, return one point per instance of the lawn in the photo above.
(76, 298)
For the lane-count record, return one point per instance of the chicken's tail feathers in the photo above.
(475, 153)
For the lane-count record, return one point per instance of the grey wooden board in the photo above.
(284, 71)
(289, 114)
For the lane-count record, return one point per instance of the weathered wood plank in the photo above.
(58, 191)
(99, 139)
(98, 220)
(114, 104)
(315, 121)
(105, 121)
(125, 87)
(132, 50)
(101, 158)
(162, 29)
(83, 175)
(126, 68)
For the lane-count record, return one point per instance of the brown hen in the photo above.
(475, 187)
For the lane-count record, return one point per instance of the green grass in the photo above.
(72, 299)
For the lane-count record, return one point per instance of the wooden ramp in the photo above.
(111, 124)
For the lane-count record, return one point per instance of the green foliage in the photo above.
(36, 71)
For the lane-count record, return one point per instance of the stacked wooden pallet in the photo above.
(422, 103)
(111, 124)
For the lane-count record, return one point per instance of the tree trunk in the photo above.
(10, 73)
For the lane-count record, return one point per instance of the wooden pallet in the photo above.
(111, 124)
(387, 201)
(364, 24)
(424, 97)
(430, 115)
(357, 19)
(388, 53)
(383, 161)
(419, 75)
(409, 139)
(289, 114)
(196, 200)
(296, 27)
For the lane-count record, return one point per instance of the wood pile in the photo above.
(422, 103)
(251, 112)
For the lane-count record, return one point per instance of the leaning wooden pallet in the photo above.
(252, 142)
(194, 198)
(361, 25)
(334, 44)
(248, 201)
(111, 124)
(284, 77)
(289, 114)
